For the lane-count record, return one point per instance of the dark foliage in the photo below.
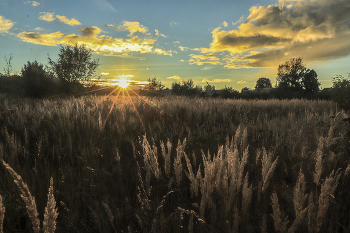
(153, 88)
(295, 76)
(37, 82)
(185, 88)
(74, 64)
(263, 83)
(341, 92)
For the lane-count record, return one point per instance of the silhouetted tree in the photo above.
(229, 92)
(263, 83)
(310, 82)
(295, 76)
(185, 88)
(153, 87)
(209, 88)
(37, 82)
(341, 92)
(8, 69)
(74, 63)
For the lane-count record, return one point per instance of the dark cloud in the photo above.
(312, 29)
(90, 31)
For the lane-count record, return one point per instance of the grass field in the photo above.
(174, 164)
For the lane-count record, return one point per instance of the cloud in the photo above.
(161, 51)
(33, 3)
(204, 59)
(70, 22)
(134, 27)
(90, 31)
(47, 16)
(225, 24)
(207, 68)
(39, 29)
(239, 21)
(241, 82)
(5, 24)
(174, 77)
(159, 34)
(104, 73)
(125, 76)
(183, 48)
(50, 39)
(314, 30)
(215, 80)
(92, 39)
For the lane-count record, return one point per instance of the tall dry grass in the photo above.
(178, 164)
(49, 223)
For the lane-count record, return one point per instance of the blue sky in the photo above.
(230, 43)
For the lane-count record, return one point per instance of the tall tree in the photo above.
(263, 83)
(185, 88)
(74, 63)
(310, 82)
(154, 85)
(294, 75)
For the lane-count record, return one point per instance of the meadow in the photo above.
(173, 164)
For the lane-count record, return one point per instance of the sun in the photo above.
(123, 83)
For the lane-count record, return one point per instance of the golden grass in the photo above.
(49, 224)
(177, 164)
(2, 215)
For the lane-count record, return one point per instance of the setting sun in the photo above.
(123, 83)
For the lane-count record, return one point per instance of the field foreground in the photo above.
(176, 164)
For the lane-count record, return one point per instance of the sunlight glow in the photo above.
(123, 83)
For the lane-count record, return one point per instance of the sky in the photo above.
(229, 43)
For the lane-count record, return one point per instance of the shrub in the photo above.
(37, 82)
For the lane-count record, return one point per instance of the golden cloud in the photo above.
(5, 24)
(241, 82)
(33, 3)
(47, 16)
(204, 59)
(183, 48)
(70, 22)
(161, 51)
(314, 30)
(92, 40)
(51, 39)
(174, 77)
(134, 27)
(159, 34)
(239, 21)
(216, 80)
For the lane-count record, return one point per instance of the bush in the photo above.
(37, 82)
(341, 92)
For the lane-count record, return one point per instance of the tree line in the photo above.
(60, 77)
(74, 64)
(294, 80)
